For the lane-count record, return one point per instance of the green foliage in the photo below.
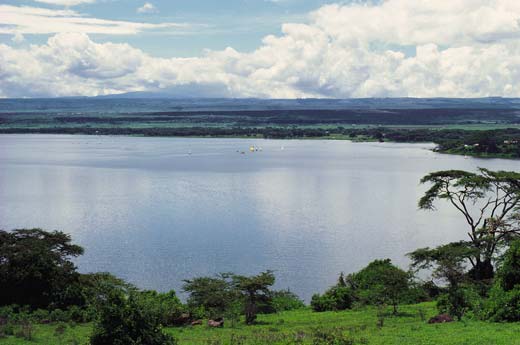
(226, 293)
(503, 305)
(447, 262)
(255, 291)
(126, 319)
(166, 306)
(488, 201)
(336, 298)
(44, 274)
(504, 299)
(509, 273)
(381, 282)
(213, 294)
(284, 300)
(457, 302)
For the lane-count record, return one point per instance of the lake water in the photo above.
(155, 211)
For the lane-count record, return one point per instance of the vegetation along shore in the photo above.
(472, 295)
(486, 127)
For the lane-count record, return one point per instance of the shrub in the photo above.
(166, 306)
(25, 332)
(458, 302)
(58, 315)
(285, 300)
(381, 282)
(125, 319)
(503, 303)
(336, 298)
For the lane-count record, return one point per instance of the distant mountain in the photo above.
(185, 102)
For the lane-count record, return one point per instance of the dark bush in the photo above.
(125, 319)
(336, 298)
(503, 303)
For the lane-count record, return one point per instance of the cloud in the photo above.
(18, 38)
(35, 20)
(463, 48)
(66, 2)
(147, 8)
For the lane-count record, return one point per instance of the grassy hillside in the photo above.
(307, 327)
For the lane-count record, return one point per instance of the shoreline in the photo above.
(436, 149)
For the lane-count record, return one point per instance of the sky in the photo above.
(261, 48)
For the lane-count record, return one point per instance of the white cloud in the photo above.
(464, 48)
(147, 8)
(35, 20)
(18, 38)
(66, 2)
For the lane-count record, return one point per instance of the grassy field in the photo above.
(307, 327)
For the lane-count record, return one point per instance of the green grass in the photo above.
(359, 325)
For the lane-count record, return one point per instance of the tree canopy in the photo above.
(489, 202)
(36, 267)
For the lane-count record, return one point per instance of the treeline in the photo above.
(492, 143)
(297, 117)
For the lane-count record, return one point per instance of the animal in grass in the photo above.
(196, 323)
(442, 318)
(216, 323)
(183, 319)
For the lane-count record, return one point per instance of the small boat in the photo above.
(252, 148)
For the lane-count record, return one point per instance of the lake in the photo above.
(155, 211)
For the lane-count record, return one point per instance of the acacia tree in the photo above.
(489, 201)
(255, 290)
(214, 294)
(36, 267)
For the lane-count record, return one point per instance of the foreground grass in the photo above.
(302, 327)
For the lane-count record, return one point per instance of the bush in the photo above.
(336, 298)
(166, 306)
(58, 315)
(503, 305)
(380, 283)
(459, 301)
(284, 300)
(25, 332)
(125, 319)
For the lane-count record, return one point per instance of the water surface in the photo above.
(155, 211)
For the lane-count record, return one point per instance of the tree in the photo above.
(124, 319)
(381, 282)
(447, 263)
(255, 290)
(36, 268)
(489, 202)
(214, 294)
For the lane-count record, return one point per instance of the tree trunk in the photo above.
(250, 313)
(483, 270)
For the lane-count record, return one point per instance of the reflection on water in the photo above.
(159, 210)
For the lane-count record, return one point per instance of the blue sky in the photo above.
(261, 48)
(213, 24)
